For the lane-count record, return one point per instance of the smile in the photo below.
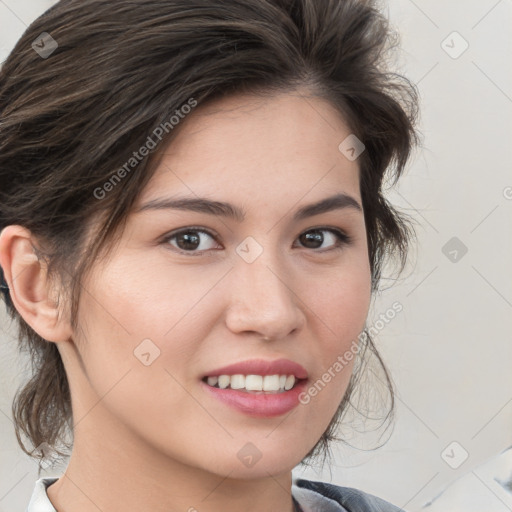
(253, 383)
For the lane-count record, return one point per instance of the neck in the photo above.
(122, 473)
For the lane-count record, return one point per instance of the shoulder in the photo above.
(321, 496)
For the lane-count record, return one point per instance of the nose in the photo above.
(263, 300)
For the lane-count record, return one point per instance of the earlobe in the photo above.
(29, 286)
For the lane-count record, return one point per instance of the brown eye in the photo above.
(314, 238)
(195, 241)
(191, 240)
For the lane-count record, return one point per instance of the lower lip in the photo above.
(260, 405)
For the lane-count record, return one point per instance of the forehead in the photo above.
(278, 147)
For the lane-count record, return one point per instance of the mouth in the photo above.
(254, 384)
(259, 388)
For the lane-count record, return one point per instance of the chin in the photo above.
(249, 462)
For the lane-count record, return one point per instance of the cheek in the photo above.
(138, 380)
(142, 299)
(339, 309)
(143, 322)
(341, 303)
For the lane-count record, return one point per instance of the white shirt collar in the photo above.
(39, 502)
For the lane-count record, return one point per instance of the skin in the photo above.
(149, 438)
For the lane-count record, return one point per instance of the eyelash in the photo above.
(342, 239)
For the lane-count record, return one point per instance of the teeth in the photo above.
(269, 383)
(223, 381)
(254, 383)
(237, 381)
(290, 381)
(212, 381)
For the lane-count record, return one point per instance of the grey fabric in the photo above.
(324, 497)
(310, 496)
(312, 501)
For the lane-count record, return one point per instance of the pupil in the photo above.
(313, 236)
(191, 240)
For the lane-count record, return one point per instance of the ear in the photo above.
(29, 286)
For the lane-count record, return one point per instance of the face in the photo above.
(191, 289)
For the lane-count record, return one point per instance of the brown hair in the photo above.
(70, 119)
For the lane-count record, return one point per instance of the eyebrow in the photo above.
(219, 208)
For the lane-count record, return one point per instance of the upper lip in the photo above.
(262, 367)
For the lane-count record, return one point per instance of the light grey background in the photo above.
(450, 349)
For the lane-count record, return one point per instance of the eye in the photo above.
(313, 239)
(191, 240)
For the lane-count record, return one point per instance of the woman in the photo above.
(192, 230)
